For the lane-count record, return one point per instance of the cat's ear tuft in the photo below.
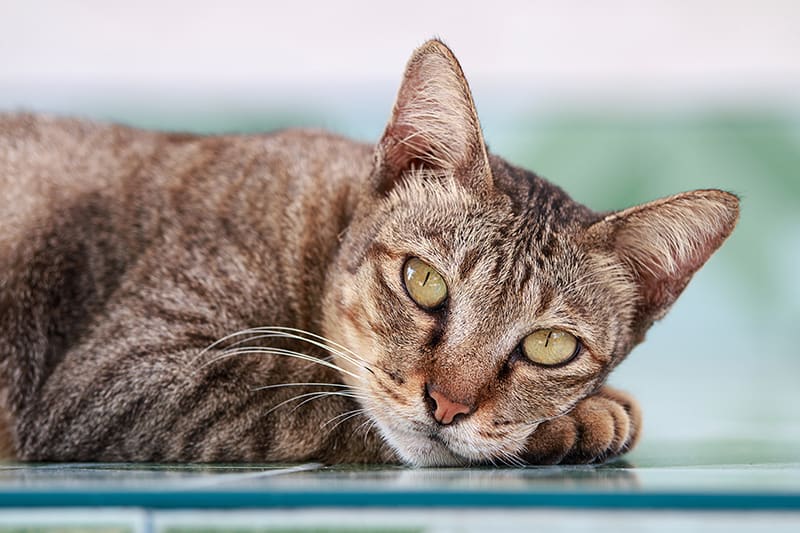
(434, 126)
(666, 241)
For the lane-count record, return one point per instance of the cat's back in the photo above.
(108, 197)
(80, 196)
(49, 162)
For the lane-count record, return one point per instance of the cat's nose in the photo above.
(443, 408)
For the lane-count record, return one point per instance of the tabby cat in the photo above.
(298, 296)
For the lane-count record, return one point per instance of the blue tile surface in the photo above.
(674, 479)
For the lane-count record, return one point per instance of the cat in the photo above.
(297, 296)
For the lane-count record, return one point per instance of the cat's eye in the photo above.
(424, 284)
(550, 346)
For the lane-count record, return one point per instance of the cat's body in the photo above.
(185, 244)
(124, 256)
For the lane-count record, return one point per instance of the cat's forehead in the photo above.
(518, 252)
(524, 217)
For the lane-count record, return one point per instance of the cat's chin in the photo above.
(448, 448)
(417, 449)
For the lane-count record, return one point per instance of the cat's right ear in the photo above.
(434, 126)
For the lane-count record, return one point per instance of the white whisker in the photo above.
(254, 334)
(280, 385)
(323, 339)
(282, 335)
(318, 395)
(310, 396)
(511, 460)
(255, 350)
(343, 417)
(369, 423)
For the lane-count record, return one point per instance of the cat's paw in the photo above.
(602, 426)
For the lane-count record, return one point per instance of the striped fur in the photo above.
(171, 297)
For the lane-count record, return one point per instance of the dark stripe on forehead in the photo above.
(373, 251)
(379, 250)
(546, 296)
(524, 276)
(505, 257)
(436, 237)
(548, 246)
(469, 262)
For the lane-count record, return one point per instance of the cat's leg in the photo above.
(56, 272)
(600, 427)
(145, 403)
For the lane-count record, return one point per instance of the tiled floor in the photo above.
(677, 492)
(732, 375)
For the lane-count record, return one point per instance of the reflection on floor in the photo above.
(655, 490)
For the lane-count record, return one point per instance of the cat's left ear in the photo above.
(665, 242)
(434, 125)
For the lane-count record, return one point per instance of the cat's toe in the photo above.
(603, 430)
(608, 424)
(552, 441)
(599, 428)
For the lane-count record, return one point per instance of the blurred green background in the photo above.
(618, 104)
(723, 366)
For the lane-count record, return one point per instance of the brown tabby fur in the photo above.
(125, 254)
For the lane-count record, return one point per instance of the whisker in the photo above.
(297, 334)
(511, 459)
(258, 333)
(253, 350)
(368, 423)
(343, 417)
(219, 342)
(321, 338)
(318, 395)
(265, 333)
(366, 426)
(280, 385)
(340, 415)
(310, 396)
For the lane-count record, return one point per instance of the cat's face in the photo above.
(472, 333)
(479, 300)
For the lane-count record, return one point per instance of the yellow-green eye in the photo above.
(550, 346)
(424, 284)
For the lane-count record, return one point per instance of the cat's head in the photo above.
(482, 300)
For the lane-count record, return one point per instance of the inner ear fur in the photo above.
(665, 242)
(434, 127)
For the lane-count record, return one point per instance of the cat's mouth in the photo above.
(426, 443)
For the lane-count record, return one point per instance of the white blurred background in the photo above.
(615, 50)
(618, 101)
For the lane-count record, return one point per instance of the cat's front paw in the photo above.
(602, 426)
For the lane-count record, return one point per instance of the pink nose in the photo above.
(445, 409)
